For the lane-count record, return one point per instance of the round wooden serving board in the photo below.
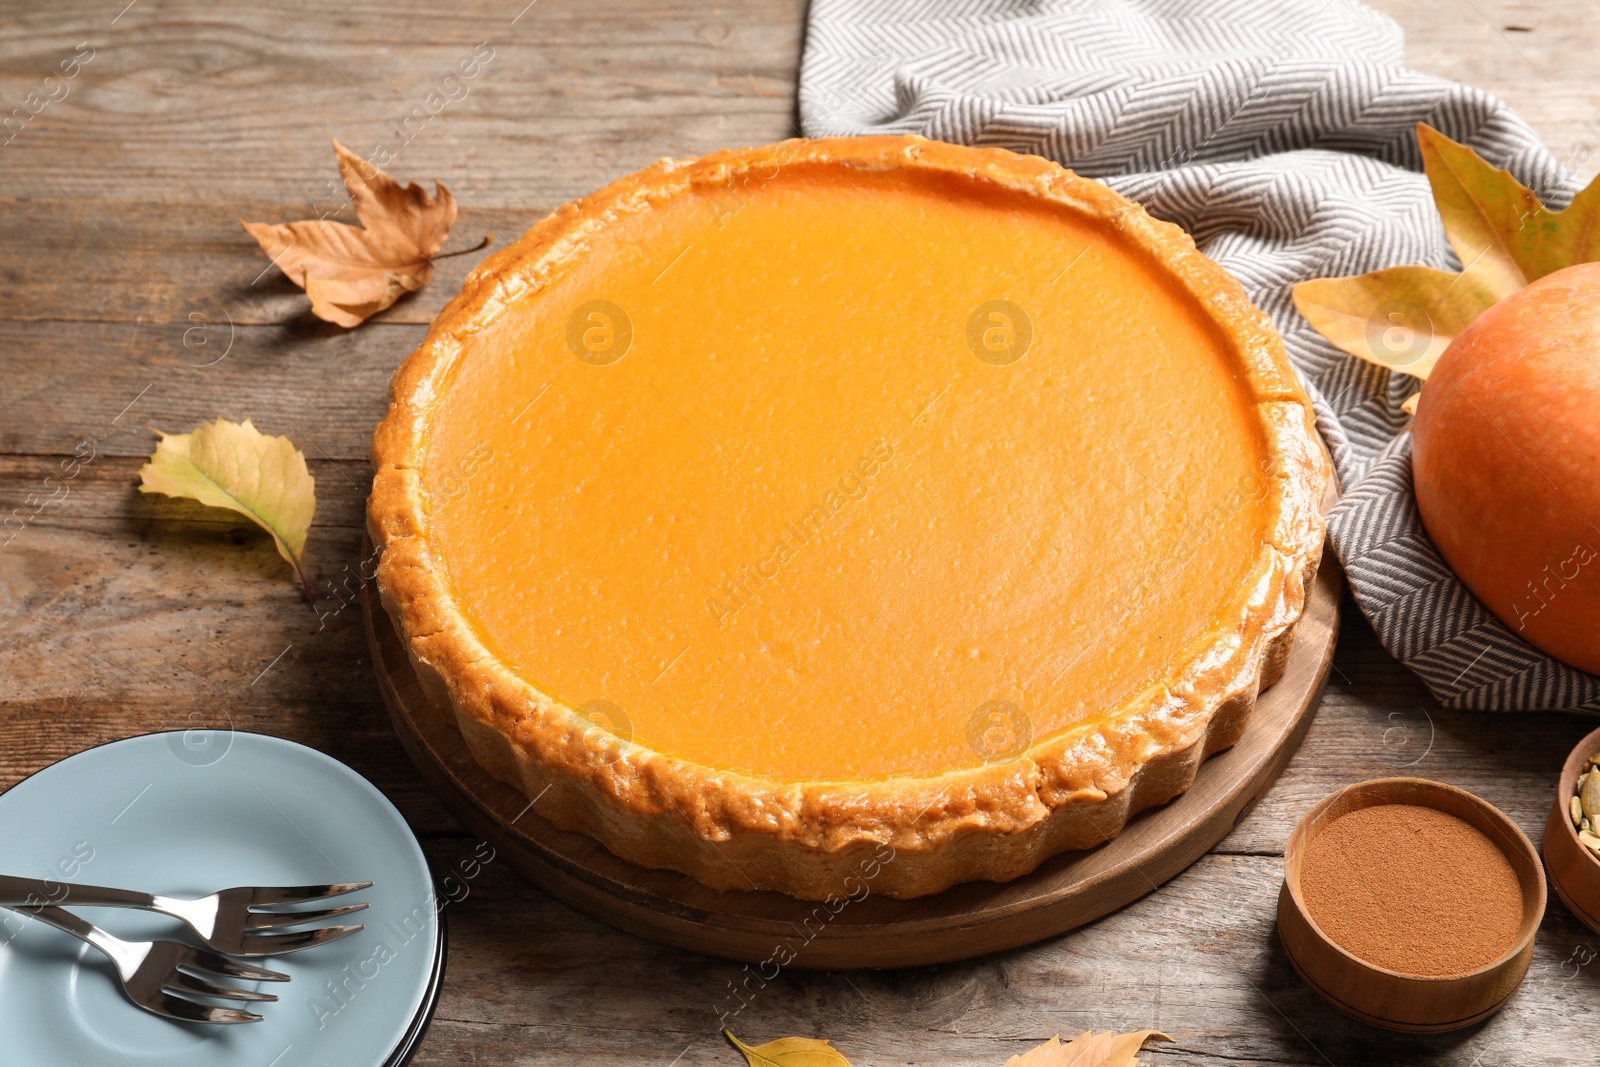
(964, 921)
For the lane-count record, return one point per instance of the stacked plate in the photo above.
(188, 813)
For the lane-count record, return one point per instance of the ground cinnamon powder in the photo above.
(1411, 889)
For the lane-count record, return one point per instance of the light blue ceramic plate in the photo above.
(187, 813)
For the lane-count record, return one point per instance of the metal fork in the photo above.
(156, 975)
(226, 921)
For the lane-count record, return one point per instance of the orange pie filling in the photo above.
(820, 472)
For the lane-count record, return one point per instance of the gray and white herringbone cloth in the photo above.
(1280, 134)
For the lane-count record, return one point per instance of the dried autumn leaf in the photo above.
(1494, 221)
(1483, 209)
(354, 272)
(789, 1052)
(1403, 318)
(1088, 1049)
(231, 465)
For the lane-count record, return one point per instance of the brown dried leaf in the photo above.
(354, 272)
(382, 203)
(1088, 1049)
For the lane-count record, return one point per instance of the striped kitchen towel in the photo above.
(1280, 134)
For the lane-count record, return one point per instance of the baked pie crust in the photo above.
(784, 748)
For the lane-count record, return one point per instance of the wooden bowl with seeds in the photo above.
(1572, 833)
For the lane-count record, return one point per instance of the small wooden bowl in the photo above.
(1574, 870)
(1387, 998)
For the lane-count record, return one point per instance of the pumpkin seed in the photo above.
(1576, 810)
(1590, 797)
(1590, 841)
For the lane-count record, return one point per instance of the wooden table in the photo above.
(132, 300)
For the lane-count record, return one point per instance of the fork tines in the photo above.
(264, 896)
(187, 980)
(261, 938)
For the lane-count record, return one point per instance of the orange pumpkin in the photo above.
(1507, 462)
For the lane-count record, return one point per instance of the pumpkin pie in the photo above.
(871, 512)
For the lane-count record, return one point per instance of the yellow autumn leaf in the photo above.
(1088, 1049)
(233, 465)
(789, 1052)
(1403, 318)
(1483, 209)
(1562, 238)
(1498, 228)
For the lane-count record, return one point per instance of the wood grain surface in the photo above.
(129, 299)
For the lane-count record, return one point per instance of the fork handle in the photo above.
(33, 894)
(62, 920)
(125, 955)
